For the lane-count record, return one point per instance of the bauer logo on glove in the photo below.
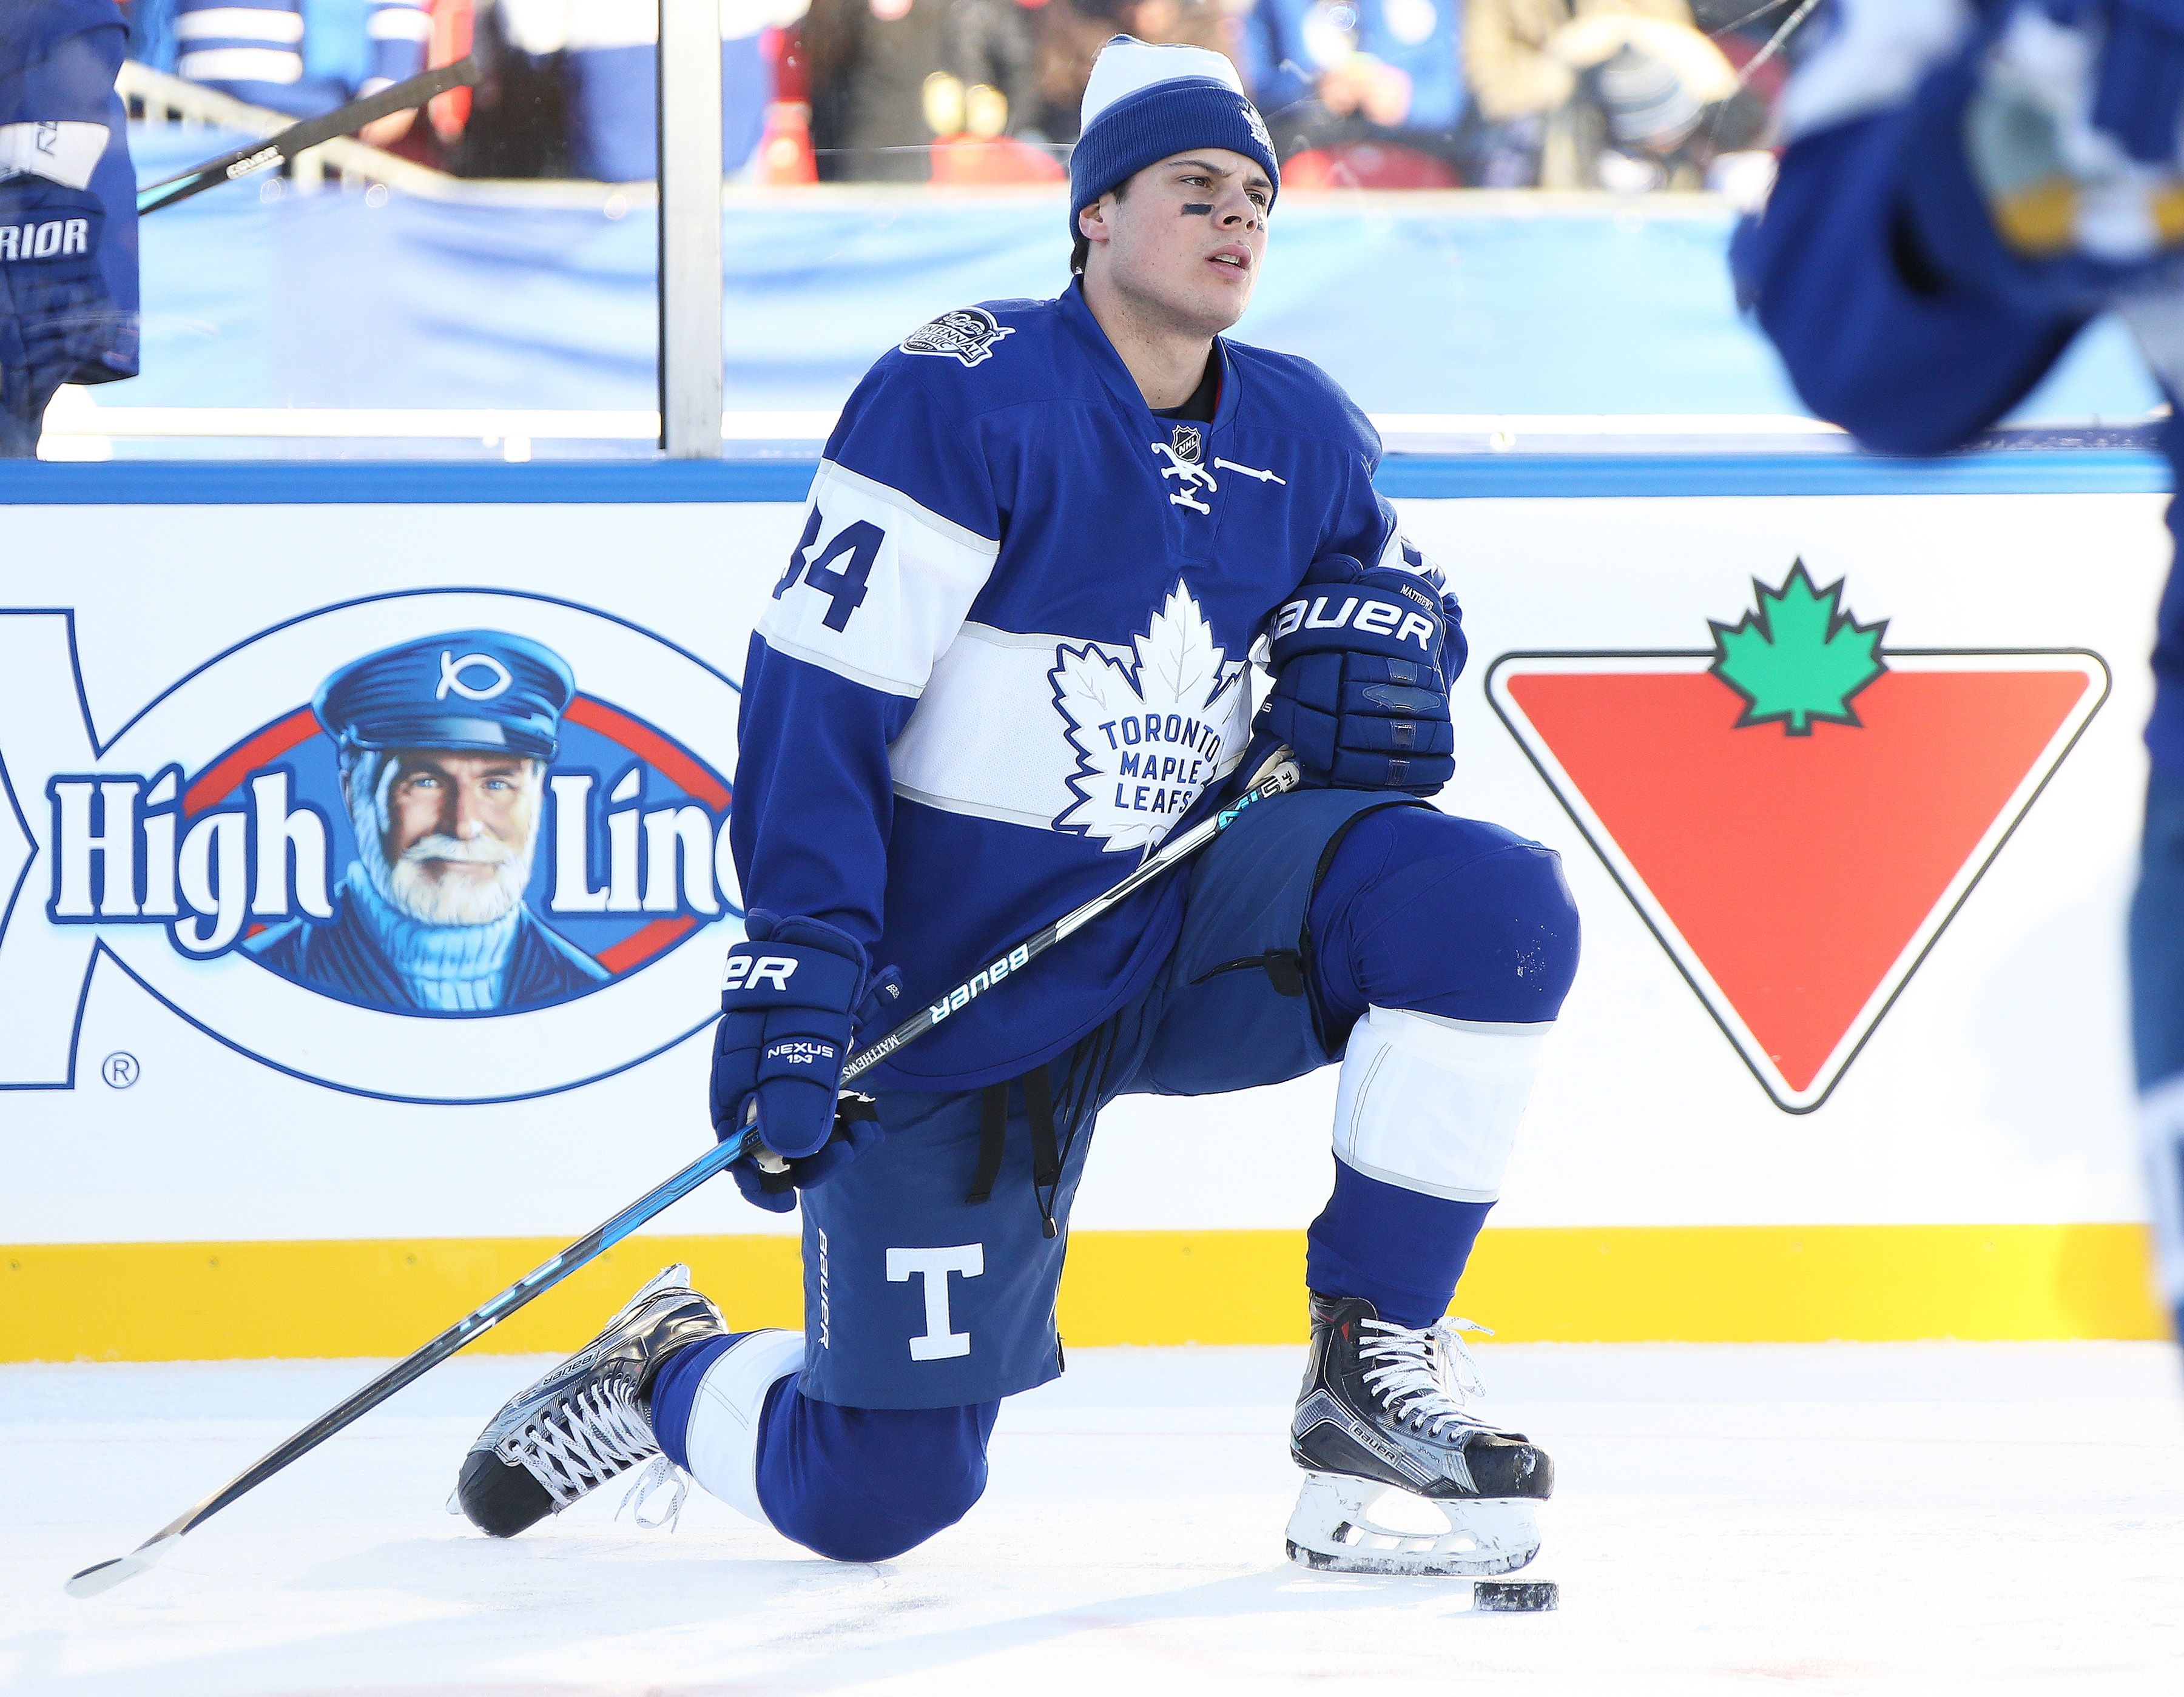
(750, 971)
(1374, 618)
(1362, 659)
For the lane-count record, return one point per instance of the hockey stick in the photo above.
(278, 150)
(1280, 773)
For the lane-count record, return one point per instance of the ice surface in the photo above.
(1845, 1517)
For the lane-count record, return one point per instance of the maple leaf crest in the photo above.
(1149, 736)
(1800, 657)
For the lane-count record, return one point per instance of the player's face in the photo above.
(457, 819)
(1187, 237)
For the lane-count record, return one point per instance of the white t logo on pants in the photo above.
(933, 1265)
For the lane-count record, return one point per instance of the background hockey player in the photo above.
(1965, 186)
(258, 51)
(1007, 656)
(68, 209)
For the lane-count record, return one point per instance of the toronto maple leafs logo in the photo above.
(1258, 126)
(1149, 736)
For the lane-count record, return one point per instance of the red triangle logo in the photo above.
(1797, 812)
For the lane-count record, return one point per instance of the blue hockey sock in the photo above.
(1402, 1250)
(675, 1389)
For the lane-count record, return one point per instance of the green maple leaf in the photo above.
(1800, 657)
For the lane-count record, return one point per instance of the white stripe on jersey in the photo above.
(920, 574)
(240, 23)
(991, 739)
(985, 739)
(65, 153)
(240, 65)
(1877, 52)
(399, 22)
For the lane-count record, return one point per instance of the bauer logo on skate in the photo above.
(437, 846)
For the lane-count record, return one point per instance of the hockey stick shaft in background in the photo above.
(1281, 774)
(278, 150)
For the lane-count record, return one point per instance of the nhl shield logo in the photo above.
(968, 334)
(1190, 444)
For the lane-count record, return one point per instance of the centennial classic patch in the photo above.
(969, 333)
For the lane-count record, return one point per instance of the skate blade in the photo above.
(1333, 1531)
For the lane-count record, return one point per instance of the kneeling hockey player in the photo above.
(1006, 657)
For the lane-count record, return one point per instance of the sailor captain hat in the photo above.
(483, 692)
(1145, 102)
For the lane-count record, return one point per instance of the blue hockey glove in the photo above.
(2071, 132)
(1362, 659)
(794, 996)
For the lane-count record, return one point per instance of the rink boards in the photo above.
(1846, 1056)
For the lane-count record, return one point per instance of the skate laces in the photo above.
(660, 1472)
(583, 1441)
(1425, 1377)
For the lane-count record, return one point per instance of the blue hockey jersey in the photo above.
(1008, 653)
(1912, 354)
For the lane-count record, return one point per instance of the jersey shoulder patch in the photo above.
(970, 334)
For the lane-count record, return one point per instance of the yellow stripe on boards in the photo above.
(165, 1302)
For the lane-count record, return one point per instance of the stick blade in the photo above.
(104, 1576)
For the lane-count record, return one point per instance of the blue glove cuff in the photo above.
(794, 963)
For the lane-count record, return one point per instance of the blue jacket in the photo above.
(1008, 652)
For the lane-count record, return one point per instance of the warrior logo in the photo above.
(414, 846)
(1149, 737)
(968, 333)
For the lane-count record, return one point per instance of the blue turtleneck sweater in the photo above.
(449, 968)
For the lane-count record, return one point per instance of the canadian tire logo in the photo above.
(1798, 811)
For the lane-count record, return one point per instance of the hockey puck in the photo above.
(1515, 1596)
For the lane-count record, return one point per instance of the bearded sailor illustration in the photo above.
(444, 746)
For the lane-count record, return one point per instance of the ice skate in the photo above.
(1382, 1426)
(587, 1421)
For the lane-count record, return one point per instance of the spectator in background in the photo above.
(868, 61)
(1072, 32)
(1586, 93)
(608, 53)
(68, 210)
(1364, 92)
(983, 106)
(258, 51)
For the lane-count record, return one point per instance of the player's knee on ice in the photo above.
(867, 1484)
(1424, 911)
